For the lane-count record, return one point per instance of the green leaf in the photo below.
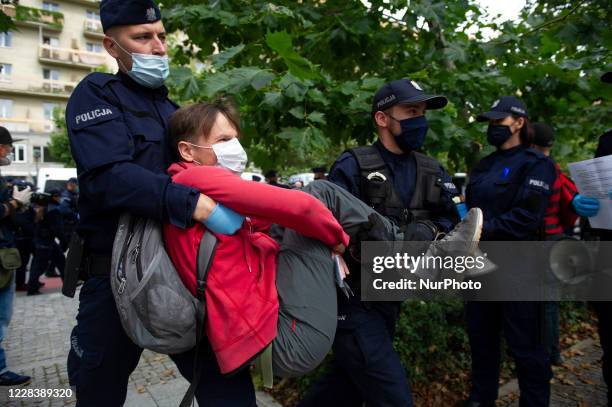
(220, 59)
(281, 42)
(317, 96)
(290, 133)
(297, 112)
(273, 99)
(549, 43)
(293, 88)
(215, 83)
(317, 117)
(185, 81)
(262, 79)
(6, 23)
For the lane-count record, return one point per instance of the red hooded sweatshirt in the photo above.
(241, 297)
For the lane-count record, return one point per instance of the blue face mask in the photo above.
(147, 70)
(413, 133)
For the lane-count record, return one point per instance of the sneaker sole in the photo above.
(477, 232)
(17, 384)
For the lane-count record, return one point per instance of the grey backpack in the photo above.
(157, 311)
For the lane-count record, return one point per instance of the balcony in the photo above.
(52, 21)
(91, 3)
(72, 58)
(32, 86)
(93, 29)
(27, 125)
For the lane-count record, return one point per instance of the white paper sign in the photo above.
(594, 179)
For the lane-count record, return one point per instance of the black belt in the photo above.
(95, 265)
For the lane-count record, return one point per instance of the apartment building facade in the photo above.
(55, 44)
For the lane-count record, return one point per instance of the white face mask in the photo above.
(230, 155)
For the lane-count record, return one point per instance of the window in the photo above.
(93, 47)
(47, 5)
(6, 39)
(51, 74)
(37, 153)
(19, 153)
(5, 72)
(6, 108)
(48, 109)
(92, 15)
(51, 41)
(92, 21)
(47, 157)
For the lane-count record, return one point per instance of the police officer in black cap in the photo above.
(512, 186)
(117, 130)
(415, 192)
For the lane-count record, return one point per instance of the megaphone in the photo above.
(571, 261)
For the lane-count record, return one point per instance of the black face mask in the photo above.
(498, 134)
(412, 134)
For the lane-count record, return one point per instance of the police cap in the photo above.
(404, 91)
(128, 12)
(504, 107)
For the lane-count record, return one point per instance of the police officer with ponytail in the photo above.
(512, 186)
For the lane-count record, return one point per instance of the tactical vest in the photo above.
(377, 190)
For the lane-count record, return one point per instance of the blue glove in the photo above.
(223, 220)
(610, 193)
(462, 210)
(585, 206)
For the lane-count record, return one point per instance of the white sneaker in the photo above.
(461, 241)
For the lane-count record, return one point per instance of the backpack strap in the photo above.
(206, 253)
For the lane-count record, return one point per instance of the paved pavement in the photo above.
(577, 383)
(38, 346)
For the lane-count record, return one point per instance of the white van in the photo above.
(50, 178)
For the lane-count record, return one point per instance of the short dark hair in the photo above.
(191, 121)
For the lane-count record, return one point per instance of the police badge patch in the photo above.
(416, 86)
(151, 15)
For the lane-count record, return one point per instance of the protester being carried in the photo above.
(253, 297)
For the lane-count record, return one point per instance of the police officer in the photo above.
(49, 226)
(512, 186)
(117, 129)
(416, 193)
(9, 203)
